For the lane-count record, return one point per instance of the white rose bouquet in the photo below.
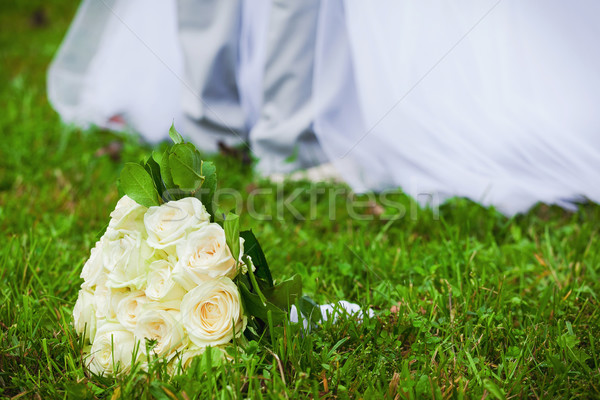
(171, 275)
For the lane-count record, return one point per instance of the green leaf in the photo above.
(207, 193)
(286, 293)
(255, 307)
(220, 215)
(153, 168)
(137, 183)
(310, 309)
(256, 287)
(157, 155)
(253, 328)
(158, 391)
(232, 234)
(252, 248)
(185, 165)
(491, 387)
(165, 173)
(175, 136)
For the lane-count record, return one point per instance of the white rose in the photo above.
(160, 286)
(107, 300)
(93, 269)
(204, 256)
(111, 340)
(126, 260)
(102, 299)
(127, 216)
(163, 325)
(170, 222)
(211, 311)
(183, 360)
(188, 355)
(129, 309)
(84, 314)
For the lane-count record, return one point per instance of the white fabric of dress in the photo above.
(494, 100)
(333, 311)
(118, 60)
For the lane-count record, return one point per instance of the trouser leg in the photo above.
(284, 130)
(209, 36)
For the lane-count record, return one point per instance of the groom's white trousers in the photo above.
(279, 127)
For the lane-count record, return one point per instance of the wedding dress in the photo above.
(119, 67)
(494, 100)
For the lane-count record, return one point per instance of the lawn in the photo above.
(468, 303)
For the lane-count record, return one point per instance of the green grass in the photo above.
(486, 305)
